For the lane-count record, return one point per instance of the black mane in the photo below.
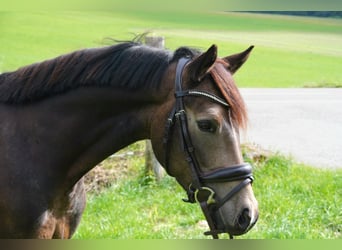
(126, 65)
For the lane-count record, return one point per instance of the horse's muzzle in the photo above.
(245, 221)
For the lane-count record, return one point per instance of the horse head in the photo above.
(201, 146)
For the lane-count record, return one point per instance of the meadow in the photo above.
(295, 201)
(290, 51)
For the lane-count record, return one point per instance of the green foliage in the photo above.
(329, 14)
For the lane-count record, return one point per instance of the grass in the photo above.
(295, 202)
(290, 51)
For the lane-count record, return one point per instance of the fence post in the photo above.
(151, 163)
(155, 41)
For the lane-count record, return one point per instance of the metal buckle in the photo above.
(179, 113)
(210, 199)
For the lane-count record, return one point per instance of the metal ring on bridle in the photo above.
(210, 199)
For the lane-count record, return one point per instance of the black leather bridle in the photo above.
(198, 191)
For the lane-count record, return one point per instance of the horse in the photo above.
(63, 116)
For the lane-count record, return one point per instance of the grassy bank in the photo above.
(295, 202)
(290, 51)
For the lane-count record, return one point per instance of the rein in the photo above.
(198, 191)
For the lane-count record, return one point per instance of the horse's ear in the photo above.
(199, 67)
(235, 61)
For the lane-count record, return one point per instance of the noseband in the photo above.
(198, 191)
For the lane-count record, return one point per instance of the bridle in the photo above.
(198, 191)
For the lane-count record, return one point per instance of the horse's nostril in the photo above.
(244, 220)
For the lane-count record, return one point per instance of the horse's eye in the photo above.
(207, 126)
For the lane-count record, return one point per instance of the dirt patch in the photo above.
(99, 178)
(255, 153)
(109, 171)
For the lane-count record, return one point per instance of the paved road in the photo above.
(303, 123)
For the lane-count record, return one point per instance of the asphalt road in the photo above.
(303, 123)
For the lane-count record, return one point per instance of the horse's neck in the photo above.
(93, 123)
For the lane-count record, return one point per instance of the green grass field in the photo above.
(290, 51)
(295, 201)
